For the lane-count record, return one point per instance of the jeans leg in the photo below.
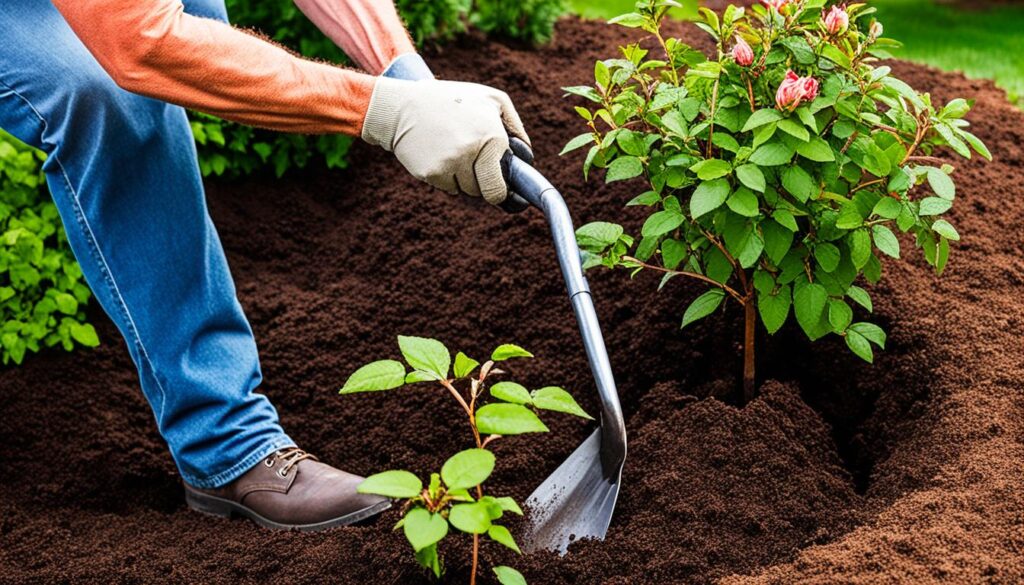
(123, 173)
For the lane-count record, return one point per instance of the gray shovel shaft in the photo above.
(534, 188)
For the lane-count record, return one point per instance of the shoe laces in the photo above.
(290, 457)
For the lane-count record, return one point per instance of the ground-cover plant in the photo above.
(42, 293)
(456, 497)
(777, 169)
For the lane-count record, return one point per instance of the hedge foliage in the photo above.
(42, 293)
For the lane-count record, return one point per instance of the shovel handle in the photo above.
(527, 185)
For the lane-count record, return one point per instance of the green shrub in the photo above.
(42, 293)
(527, 20)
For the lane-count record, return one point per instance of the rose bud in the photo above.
(876, 29)
(790, 92)
(810, 88)
(837, 21)
(742, 53)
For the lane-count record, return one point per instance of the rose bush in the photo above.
(776, 169)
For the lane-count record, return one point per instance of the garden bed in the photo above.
(908, 469)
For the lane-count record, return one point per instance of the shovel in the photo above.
(577, 500)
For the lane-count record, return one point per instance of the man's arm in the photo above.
(151, 47)
(369, 31)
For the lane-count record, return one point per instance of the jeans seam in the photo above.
(230, 474)
(97, 256)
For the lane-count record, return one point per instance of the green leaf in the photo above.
(428, 559)
(508, 351)
(711, 168)
(827, 255)
(471, 518)
(509, 576)
(508, 505)
(777, 241)
(501, 535)
(66, 303)
(762, 117)
(464, 365)
(744, 202)
(887, 207)
(423, 528)
(578, 142)
(886, 241)
(751, 176)
(809, 306)
(630, 20)
(849, 217)
(871, 332)
(467, 469)
(392, 484)
(672, 253)
(934, 206)
(839, 315)
(772, 154)
(624, 167)
(798, 183)
(558, 400)
(379, 375)
(860, 346)
(597, 236)
(944, 229)
(859, 296)
(941, 183)
(417, 376)
(817, 149)
(428, 355)
(647, 198)
(508, 419)
(774, 309)
(786, 219)
(511, 392)
(85, 334)
(708, 196)
(860, 247)
(794, 129)
(703, 306)
(661, 223)
(976, 144)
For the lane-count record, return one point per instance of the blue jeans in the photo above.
(123, 173)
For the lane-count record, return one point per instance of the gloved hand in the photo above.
(449, 134)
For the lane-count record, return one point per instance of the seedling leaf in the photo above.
(467, 468)
(375, 376)
(392, 484)
(508, 419)
(558, 400)
(423, 529)
(511, 392)
(508, 351)
(428, 355)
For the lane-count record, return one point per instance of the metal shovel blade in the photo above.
(575, 502)
(578, 499)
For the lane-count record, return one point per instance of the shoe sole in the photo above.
(221, 508)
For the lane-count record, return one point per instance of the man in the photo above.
(92, 83)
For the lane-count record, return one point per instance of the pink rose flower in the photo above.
(776, 4)
(795, 89)
(742, 53)
(837, 21)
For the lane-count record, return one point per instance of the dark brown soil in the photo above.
(905, 471)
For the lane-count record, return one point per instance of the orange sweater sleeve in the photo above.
(151, 47)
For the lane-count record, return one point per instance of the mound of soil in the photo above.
(908, 470)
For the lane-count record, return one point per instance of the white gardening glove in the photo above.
(449, 134)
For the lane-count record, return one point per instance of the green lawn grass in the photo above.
(982, 43)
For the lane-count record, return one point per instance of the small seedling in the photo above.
(776, 169)
(456, 497)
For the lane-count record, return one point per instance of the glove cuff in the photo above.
(381, 121)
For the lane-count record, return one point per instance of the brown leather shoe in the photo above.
(290, 490)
